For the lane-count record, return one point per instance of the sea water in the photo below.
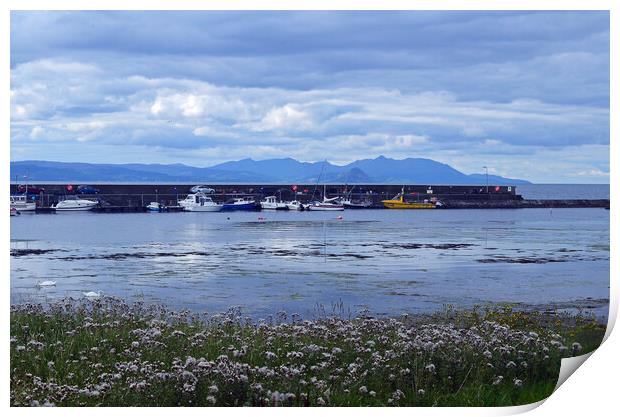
(385, 261)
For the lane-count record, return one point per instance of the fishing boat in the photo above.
(348, 202)
(399, 202)
(295, 205)
(245, 203)
(271, 203)
(73, 203)
(352, 204)
(20, 203)
(154, 206)
(199, 202)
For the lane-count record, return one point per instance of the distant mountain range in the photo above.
(379, 170)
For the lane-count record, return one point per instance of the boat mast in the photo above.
(317, 180)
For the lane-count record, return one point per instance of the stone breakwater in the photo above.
(512, 204)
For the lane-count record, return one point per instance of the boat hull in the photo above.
(402, 205)
(211, 209)
(86, 208)
(277, 206)
(241, 207)
(325, 207)
(356, 205)
(24, 207)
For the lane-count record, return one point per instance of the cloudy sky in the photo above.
(524, 93)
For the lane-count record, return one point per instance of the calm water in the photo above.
(564, 191)
(388, 261)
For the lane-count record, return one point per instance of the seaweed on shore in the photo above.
(26, 252)
(442, 246)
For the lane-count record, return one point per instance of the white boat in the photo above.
(271, 203)
(73, 203)
(199, 202)
(348, 203)
(154, 206)
(21, 203)
(328, 204)
(295, 205)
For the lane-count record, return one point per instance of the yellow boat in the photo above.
(398, 202)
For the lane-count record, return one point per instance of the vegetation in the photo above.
(108, 353)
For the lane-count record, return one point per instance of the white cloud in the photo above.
(36, 132)
(191, 117)
(287, 117)
(594, 172)
(157, 107)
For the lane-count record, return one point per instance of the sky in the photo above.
(524, 93)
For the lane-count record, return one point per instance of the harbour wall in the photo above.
(169, 194)
(452, 196)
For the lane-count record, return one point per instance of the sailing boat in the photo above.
(328, 204)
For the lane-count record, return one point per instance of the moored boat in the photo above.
(295, 205)
(154, 206)
(199, 202)
(73, 203)
(399, 202)
(351, 204)
(20, 203)
(328, 204)
(245, 203)
(14, 211)
(271, 203)
(325, 206)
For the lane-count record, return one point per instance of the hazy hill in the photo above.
(287, 170)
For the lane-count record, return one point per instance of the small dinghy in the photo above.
(46, 283)
(154, 206)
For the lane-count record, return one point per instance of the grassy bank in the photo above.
(110, 353)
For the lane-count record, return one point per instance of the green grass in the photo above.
(109, 353)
